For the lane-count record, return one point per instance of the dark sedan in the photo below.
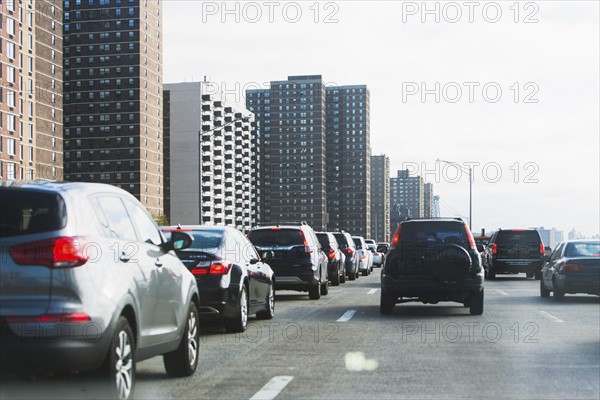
(233, 280)
(573, 267)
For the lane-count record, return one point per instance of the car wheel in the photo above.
(544, 292)
(476, 303)
(343, 276)
(351, 276)
(119, 366)
(325, 288)
(557, 293)
(184, 360)
(269, 311)
(451, 264)
(314, 292)
(239, 322)
(365, 272)
(386, 303)
(529, 275)
(335, 279)
(491, 274)
(538, 275)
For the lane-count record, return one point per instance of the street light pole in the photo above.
(470, 171)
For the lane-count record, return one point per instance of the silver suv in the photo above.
(88, 282)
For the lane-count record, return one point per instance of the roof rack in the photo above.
(279, 223)
(421, 218)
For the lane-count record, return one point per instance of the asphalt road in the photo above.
(340, 347)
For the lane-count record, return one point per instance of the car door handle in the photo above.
(158, 263)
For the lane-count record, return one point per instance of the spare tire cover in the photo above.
(451, 264)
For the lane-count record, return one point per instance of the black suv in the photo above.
(513, 251)
(298, 261)
(432, 260)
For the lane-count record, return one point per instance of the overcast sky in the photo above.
(512, 89)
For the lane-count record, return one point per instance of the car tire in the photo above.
(557, 293)
(538, 275)
(529, 275)
(238, 323)
(351, 276)
(386, 304)
(476, 303)
(451, 264)
(343, 277)
(491, 275)
(184, 360)
(325, 288)
(314, 292)
(335, 279)
(118, 369)
(269, 311)
(365, 272)
(544, 292)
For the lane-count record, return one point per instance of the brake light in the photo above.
(349, 251)
(494, 248)
(276, 228)
(396, 238)
(219, 268)
(331, 254)
(572, 267)
(62, 252)
(306, 246)
(470, 238)
(542, 250)
(52, 318)
(363, 256)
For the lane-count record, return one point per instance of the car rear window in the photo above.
(276, 237)
(208, 239)
(434, 233)
(357, 243)
(25, 212)
(323, 239)
(511, 237)
(583, 249)
(341, 239)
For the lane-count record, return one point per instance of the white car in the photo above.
(377, 256)
(365, 256)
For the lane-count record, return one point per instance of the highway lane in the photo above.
(340, 347)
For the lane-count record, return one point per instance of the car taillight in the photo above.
(62, 252)
(573, 267)
(363, 256)
(52, 318)
(396, 238)
(216, 267)
(542, 249)
(331, 254)
(494, 248)
(306, 246)
(470, 238)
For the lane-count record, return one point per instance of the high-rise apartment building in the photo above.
(428, 200)
(315, 151)
(113, 95)
(290, 116)
(31, 134)
(348, 144)
(406, 194)
(380, 198)
(210, 159)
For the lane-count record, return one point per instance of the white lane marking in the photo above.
(502, 292)
(372, 291)
(272, 388)
(347, 315)
(552, 317)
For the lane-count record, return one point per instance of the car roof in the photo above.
(198, 228)
(64, 187)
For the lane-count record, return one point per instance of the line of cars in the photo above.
(90, 284)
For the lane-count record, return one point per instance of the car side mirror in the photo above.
(179, 241)
(254, 261)
(480, 248)
(267, 255)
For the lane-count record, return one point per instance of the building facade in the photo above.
(428, 200)
(348, 142)
(406, 194)
(210, 159)
(31, 101)
(380, 198)
(290, 116)
(113, 96)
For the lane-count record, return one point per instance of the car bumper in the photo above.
(428, 288)
(579, 284)
(516, 266)
(300, 282)
(218, 302)
(52, 347)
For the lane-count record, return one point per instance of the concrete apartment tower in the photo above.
(380, 198)
(113, 96)
(31, 101)
(210, 159)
